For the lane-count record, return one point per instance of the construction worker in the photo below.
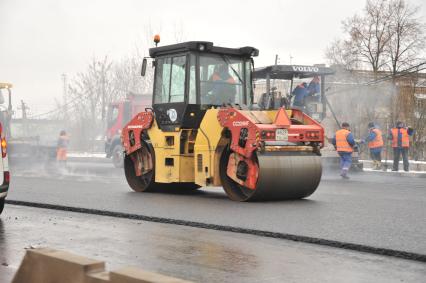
(314, 87)
(300, 92)
(400, 137)
(223, 88)
(61, 149)
(344, 142)
(375, 144)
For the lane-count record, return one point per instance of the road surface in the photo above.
(372, 210)
(200, 255)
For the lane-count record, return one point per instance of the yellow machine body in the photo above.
(199, 161)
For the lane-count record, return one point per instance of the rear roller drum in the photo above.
(2, 201)
(281, 176)
(144, 157)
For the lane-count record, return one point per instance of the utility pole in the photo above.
(103, 114)
(64, 96)
(276, 63)
(291, 59)
(24, 109)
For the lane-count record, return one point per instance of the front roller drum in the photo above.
(281, 176)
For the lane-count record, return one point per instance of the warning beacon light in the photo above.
(156, 39)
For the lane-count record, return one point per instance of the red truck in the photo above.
(118, 115)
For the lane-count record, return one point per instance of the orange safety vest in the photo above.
(341, 141)
(378, 140)
(61, 154)
(405, 140)
(216, 77)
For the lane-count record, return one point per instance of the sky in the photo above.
(42, 39)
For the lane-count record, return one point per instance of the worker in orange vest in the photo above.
(400, 137)
(375, 144)
(61, 148)
(344, 142)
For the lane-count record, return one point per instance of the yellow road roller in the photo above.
(204, 130)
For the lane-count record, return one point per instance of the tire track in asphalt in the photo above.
(261, 233)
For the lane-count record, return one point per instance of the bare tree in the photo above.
(386, 36)
(89, 94)
(341, 53)
(387, 39)
(127, 77)
(368, 34)
(406, 34)
(106, 81)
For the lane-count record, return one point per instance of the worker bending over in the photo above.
(300, 92)
(400, 137)
(375, 144)
(344, 142)
(314, 87)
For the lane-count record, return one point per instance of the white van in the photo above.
(4, 169)
(5, 115)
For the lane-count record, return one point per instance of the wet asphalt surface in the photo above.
(200, 255)
(370, 209)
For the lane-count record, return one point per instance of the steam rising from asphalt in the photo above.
(89, 169)
(356, 98)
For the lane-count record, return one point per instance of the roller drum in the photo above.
(282, 176)
(292, 176)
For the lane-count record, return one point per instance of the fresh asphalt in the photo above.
(199, 255)
(371, 210)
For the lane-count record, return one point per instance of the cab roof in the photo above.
(288, 72)
(203, 46)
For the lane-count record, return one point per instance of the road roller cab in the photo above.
(203, 131)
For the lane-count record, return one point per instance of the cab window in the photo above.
(192, 81)
(221, 80)
(249, 85)
(170, 79)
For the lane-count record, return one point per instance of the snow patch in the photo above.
(87, 154)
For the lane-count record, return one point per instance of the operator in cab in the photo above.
(222, 87)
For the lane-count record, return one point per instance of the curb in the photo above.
(42, 265)
(411, 174)
(90, 159)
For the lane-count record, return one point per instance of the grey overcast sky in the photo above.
(40, 40)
